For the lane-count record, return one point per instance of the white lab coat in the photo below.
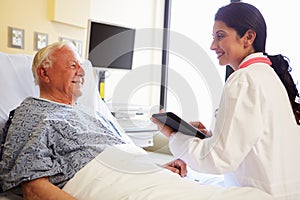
(256, 141)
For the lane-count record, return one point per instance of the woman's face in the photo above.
(228, 45)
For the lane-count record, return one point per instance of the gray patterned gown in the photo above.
(54, 140)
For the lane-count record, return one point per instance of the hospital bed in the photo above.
(116, 179)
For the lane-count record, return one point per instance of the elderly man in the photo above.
(51, 138)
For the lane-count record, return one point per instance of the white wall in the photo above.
(193, 63)
(145, 16)
(282, 31)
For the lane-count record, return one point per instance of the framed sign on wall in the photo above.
(15, 38)
(40, 40)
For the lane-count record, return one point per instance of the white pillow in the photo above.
(16, 82)
(90, 96)
(92, 100)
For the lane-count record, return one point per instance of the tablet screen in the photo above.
(177, 124)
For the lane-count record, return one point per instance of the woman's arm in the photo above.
(42, 189)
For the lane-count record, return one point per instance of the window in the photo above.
(189, 93)
(195, 79)
(282, 31)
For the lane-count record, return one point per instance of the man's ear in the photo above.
(249, 38)
(42, 73)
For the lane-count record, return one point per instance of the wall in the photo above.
(68, 19)
(37, 16)
(141, 15)
(70, 12)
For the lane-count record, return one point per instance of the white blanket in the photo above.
(127, 172)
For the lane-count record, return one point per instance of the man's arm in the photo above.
(177, 166)
(42, 189)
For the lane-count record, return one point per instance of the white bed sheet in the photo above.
(127, 172)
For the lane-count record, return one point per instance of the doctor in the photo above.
(255, 140)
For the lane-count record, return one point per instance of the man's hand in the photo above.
(177, 166)
(42, 189)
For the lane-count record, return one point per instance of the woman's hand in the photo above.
(164, 129)
(201, 128)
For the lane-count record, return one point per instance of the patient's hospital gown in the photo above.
(54, 140)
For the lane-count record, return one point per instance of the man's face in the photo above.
(66, 76)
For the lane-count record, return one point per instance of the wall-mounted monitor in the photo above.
(110, 45)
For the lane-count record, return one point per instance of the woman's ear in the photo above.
(249, 38)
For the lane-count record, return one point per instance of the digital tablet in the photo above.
(179, 125)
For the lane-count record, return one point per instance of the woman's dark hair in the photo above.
(242, 17)
(281, 66)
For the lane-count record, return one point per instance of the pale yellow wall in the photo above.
(75, 12)
(36, 16)
(66, 18)
(134, 13)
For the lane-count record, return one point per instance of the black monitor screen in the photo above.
(110, 46)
